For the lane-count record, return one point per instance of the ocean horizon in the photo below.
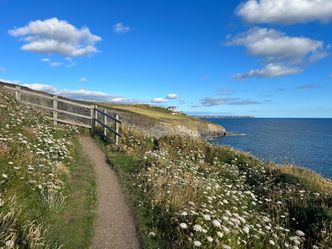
(304, 142)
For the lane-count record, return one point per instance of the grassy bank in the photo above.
(159, 121)
(189, 193)
(42, 174)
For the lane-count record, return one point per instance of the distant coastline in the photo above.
(219, 116)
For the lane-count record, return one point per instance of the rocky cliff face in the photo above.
(161, 127)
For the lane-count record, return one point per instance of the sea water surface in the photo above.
(303, 142)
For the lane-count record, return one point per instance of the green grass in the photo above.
(47, 188)
(74, 226)
(125, 166)
(149, 111)
(172, 175)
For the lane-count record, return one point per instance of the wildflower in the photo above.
(184, 213)
(4, 175)
(216, 223)
(220, 234)
(206, 217)
(271, 242)
(183, 225)
(209, 239)
(152, 234)
(226, 247)
(246, 229)
(299, 233)
(197, 228)
(197, 243)
(10, 243)
(226, 229)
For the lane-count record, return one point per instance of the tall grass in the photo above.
(35, 162)
(201, 195)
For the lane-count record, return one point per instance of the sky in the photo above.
(263, 58)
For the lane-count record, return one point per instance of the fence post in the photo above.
(116, 129)
(55, 108)
(96, 116)
(18, 93)
(105, 122)
(92, 110)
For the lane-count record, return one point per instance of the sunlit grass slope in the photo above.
(191, 194)
(38, 168)
(159, 121)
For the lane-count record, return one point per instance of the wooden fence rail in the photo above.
(92, 117)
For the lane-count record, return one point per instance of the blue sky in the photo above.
(205, 57)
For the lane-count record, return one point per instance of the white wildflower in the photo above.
(271, 242)
(197, 228)
(197, 243)
(206, 217)
(184, 213)
(210, 239)
(183, 225)
(216, 223)
(152, 234)
(220, 234)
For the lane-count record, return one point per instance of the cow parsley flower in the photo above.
(197, 243)
(183, 225)
(216, 223)
(197, 228)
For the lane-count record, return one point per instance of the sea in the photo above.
(305, 142)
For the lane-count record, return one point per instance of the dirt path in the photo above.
(115, 227)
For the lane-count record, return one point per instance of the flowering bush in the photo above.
(33, 158)
(216, 197)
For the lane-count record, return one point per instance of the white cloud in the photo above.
(41, 87)
(54, 36)
(270, 70)
(158, 100)
(51, 63)
(120, 28)
(83, 79)
(81, 94)
(282, 54)
(273, 45)
(285, 11)
(10, 81)
(209, 101)
(172, 96)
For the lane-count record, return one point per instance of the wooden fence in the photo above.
(92, 118)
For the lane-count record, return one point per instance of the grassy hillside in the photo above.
(159, 121)
(39, 182)
(191, 194)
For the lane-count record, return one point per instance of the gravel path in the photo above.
(115, 226)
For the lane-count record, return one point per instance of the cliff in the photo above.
(158, 121)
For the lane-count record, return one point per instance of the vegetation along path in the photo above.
(115, 227)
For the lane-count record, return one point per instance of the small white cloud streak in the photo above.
(172, 96)
(83, 79)
(51, 63)
(120, 28)
(81, 94)
(270, 70)
(158, 100)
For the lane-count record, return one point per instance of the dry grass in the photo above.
(213, 197)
